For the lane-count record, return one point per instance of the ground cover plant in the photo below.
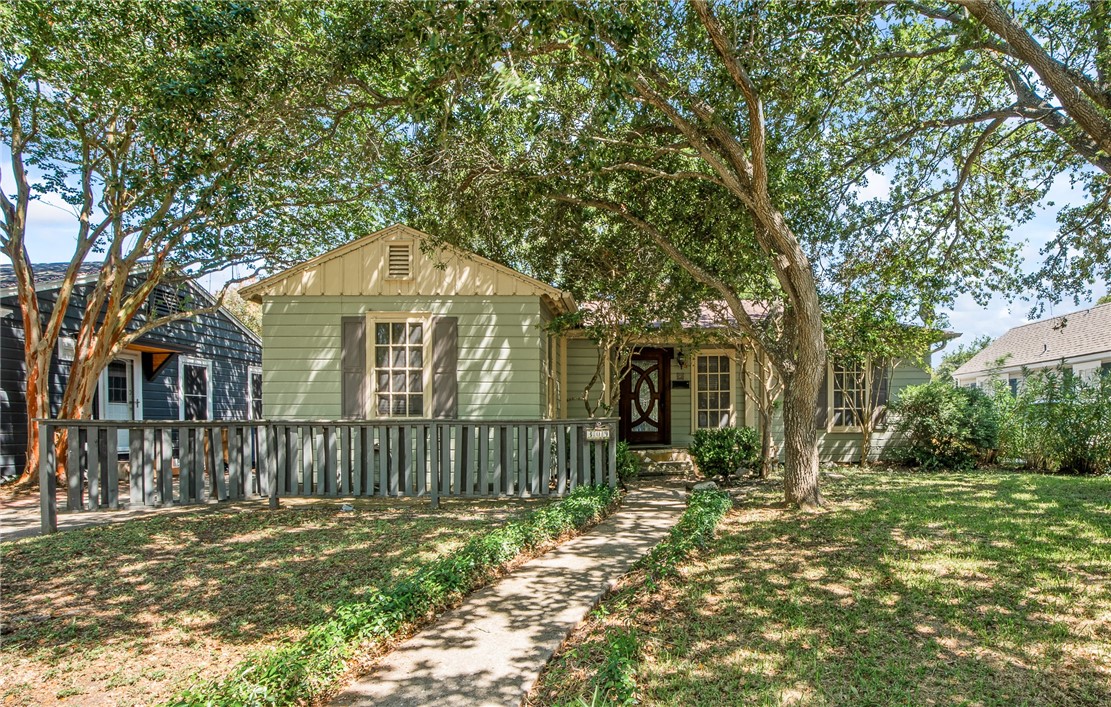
(135, 612)
(310, 669)
(948, 588)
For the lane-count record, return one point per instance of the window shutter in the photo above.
(354, 367)
(881, 376)
(445, 365)
(821, 406)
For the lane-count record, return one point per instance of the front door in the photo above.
(120, 397)
(645, 397)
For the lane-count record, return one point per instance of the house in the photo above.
(204, 367)
(383, 327)
(1079, 341)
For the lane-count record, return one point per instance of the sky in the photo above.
(52, 224)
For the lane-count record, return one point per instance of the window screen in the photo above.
(713, 391)
(194, 386)
(399, 369)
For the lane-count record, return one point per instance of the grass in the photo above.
(311, 669)
(914, 589)
(133, 612)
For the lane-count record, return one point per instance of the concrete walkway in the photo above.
(490, 650)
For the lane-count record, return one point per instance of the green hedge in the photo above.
(694, 530)
(945, 427)
(308, 668)
(721, 451)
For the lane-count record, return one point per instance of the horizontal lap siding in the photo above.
(499, 352)
(845, 446)
(213, 337)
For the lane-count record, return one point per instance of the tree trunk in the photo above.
(865, 442)
(765, 440)
(38, 406)
(800, 434)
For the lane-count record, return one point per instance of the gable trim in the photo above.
(560, 300)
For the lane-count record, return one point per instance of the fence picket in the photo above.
(166, 469)
(468, 458)
(93, 465)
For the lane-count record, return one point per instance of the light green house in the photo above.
(379, 328)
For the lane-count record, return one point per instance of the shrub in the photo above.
(628, 464)
(946, 427)
(721, 451)
(1056, 422)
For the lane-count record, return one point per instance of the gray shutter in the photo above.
(881, 376)
(445, 365)
(821, 405)
(354, 367)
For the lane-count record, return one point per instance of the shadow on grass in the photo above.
(194, 593)
(913, 589)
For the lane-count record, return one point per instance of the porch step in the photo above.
(668, 468)
(675, 454)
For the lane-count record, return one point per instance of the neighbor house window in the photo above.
(846, 396)
(195, 384)
(713, 390)
(254, 392)
(400, 375)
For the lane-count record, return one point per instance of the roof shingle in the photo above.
(1067, 336)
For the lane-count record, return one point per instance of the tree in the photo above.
(867, 343)
(728, 136)
(1106, 299)
(959, 356)
(249, 313)
(1032, 78)
(186, 138)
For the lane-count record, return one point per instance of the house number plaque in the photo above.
(597, 434)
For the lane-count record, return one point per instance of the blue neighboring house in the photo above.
(207, 367)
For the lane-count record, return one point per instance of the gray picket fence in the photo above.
(180, 463)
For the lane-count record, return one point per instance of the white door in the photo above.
(119, 399)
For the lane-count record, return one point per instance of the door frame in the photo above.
(136, 386)
(624, 407)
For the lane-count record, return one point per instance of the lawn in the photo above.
(132, 612)
(914, 589)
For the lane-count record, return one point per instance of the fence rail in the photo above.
(180, 463)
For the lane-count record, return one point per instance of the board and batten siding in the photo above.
(500, 350)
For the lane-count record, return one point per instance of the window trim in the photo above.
(425, 320)
(732, 356)
(252, 370)
(831, 372)
(182, 362)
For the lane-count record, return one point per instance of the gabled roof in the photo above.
(47, 275)
(361, 268)
(50, 275)
(1068, 336)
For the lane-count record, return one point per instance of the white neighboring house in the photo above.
(1080, 341)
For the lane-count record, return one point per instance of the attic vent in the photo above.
(400, 260)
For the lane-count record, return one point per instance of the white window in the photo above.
(400, 261)
(194, 389)
(846, 397)
(254, 392)
(713, 389)
(400, 370)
